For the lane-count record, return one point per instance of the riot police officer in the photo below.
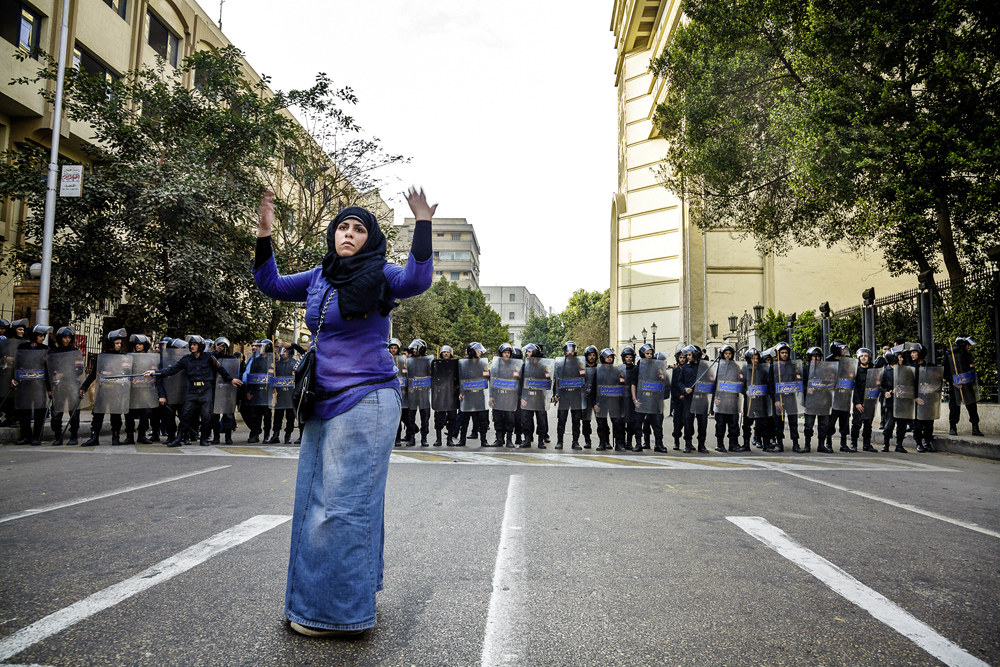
(888, 386)
(64, 345)
(35, 413)
(860, 422)
(809, 421)
(960, 371)
(114, 345)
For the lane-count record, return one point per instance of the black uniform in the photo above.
(57, 417)
(891, 423)
(689, 378)
(838, 420)
(201, 371)
(97, 418)
(962, 358)
(27, 416)
(677, 403)
(859, 425)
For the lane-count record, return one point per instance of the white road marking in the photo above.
(162, 571)
(501, 644)
(871, 601)
(911, 508)
(87, 499)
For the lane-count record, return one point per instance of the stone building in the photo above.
(513, 305)
(664, 270)
(456, 249)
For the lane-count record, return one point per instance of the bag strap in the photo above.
(322, 314)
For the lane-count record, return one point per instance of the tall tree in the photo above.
(587, 317)
(873, 124)
(548, 330)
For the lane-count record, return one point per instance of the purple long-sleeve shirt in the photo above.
(348, 352)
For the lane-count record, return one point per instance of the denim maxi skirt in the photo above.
(338, 527)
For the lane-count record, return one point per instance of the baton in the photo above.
(120, 377)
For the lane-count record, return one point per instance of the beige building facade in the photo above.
(664, 270)
(514, 304)
(456, 249)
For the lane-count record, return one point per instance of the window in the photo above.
(510, 297)
(20, 25)
(455, 276)
(510, 315)
(117, 5)
(456, 237)
(452, 256)
(161, 39)
(440, 235)
(88, 64)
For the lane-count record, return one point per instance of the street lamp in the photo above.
(758, 313)
(732, 324)
(644, 335)
(632, 340)
(652, 330)
(714, 327)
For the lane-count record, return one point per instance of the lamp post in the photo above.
(791, 334)
(868, 318)
(652, 330)
(732, 324)
(714, 328)
(925, 314)
(758, 313)
(824, 310)
(644, 335)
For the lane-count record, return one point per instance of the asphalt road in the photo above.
(615, 560)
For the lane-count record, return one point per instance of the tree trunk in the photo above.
(943, 214)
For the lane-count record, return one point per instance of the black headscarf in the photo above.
(359, 279)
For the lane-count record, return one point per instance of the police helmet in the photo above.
(534, 348)
(814, 352)
(166, 340)
(689, 349)
(222, 340)
(474, 350)
(418, 347)
(41, 330)
(920, 350)
(748, 355)
(119, 333)
(195, 340)
(838, 347)
(607, 356)
(865, 350)
(178, 343)
(781, 346)
(505, 347)
(569, 345)
(446, 348)
(266, 346)
(891, 358)
(20, 324)
(659, 356)
(727, 347)
(395, 341)
(961, 340)
(4, 323)
(65, 331)
(627, 350)
(517, 354)
(643, 349)
(139, 338)
(591, 349)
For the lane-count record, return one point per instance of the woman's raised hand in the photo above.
(266, 213)
(418, 204)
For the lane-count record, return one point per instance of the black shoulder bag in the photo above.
(304, 394)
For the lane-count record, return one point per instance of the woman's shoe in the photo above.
(323, 632)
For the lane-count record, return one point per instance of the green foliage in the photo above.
(966, 312)
(587, 318)
(548, 330)
(448, 315)
(871, 124)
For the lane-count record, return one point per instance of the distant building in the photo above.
(456, 249)
(513, 304)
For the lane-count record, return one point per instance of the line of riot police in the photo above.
(185, 390)
(752, 400)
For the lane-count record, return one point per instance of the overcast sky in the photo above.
(508, 111)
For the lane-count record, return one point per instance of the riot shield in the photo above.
(66, 372)
(225, 393)
(757, 396)
(571, 383)
(610, 390)
(505, 383)
(537, 388)
(260, 381)
(29, 371)
(113, 391)
(728, 387)
(904, 392)
(400, 361)
(284, 382)
(649, 390)
(418, 382)
(822, 383)
(873, 390)
(444, 380)
(8, 348)
(787, 387)
(701, 394)
(930, 382)
(474, 384)
(847, 370)
(175, 386)
(964, 382)
(143, 392)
